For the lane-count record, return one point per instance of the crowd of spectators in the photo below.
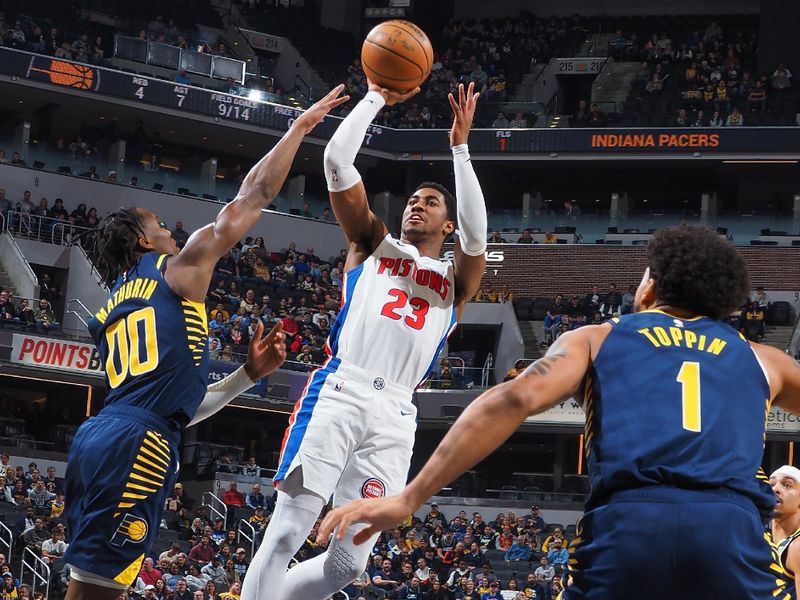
(466, 558)
(702, 78)
(494, 54)
(32, 506)
(297, 288)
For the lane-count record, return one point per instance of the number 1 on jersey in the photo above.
(689, 378)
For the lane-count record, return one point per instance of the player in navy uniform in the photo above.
(151, 335)
(676, 405)
(785, 529)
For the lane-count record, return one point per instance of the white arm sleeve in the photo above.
(470, 206)
(220, 393)
(340, 153)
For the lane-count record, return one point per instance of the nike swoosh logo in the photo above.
(404, 413)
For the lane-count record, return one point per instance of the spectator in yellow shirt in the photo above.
(486, 294)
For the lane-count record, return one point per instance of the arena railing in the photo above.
(6, 540)
(245, 530)
(38, 570)
(42, 229)
(215, 505)
(172, 57)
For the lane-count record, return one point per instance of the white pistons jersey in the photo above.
(397, 311)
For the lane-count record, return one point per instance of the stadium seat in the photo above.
(510, 492)
(779, 313)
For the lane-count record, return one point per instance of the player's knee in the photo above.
(341, 566)
(286, 539)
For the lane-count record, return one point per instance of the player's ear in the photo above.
(449, 226)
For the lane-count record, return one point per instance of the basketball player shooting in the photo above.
(151, 335)
(676, 404)
(352, 432)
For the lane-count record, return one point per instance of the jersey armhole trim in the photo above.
(763, 369)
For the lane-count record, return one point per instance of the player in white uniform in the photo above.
(352, 432)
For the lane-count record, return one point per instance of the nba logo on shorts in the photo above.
(132, 529)
(373, 488)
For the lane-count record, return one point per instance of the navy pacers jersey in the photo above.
(676, 402)
(123, 463)
(152, 343)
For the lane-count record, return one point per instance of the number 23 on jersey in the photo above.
(394, 309)
(124, 339)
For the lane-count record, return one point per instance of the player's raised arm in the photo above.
(361, 226)
(470, 247)
(259, 188)
(486, 423)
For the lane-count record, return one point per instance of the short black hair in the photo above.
(449, 198)
(113, 242)
(694, 268)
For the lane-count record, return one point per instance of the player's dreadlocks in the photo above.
(112, 243)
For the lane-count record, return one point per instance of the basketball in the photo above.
(397, 55)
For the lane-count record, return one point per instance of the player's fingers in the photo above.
(335, 92)
(471, 89)
(329, 523)
(258, 332)
(461, 98)
(453, 104)
(275, 333)
(337, 101)
(365, 535)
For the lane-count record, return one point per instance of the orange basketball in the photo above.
(397, 55)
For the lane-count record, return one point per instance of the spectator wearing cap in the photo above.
(494, 592)
(435, 518)
(217, 534)
(240, 562)
(202, 552)
(259, 520)
(149, 592)
(9, 587)
(214, 571)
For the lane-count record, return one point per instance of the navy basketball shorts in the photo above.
(122, 465)
(663, 543)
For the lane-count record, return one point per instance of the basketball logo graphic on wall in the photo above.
(373, 488)
(132, 529)
(63, 73)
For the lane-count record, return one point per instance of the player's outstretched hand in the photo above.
(266, 352)
(317, 111)
(391, 96)
(463, 113)
(377, 514)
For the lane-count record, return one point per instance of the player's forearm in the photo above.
(471, 206)
(341, 151)
(220, 393)
(265, 180)
(476, 434)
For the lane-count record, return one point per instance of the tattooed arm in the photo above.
(486, 423)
